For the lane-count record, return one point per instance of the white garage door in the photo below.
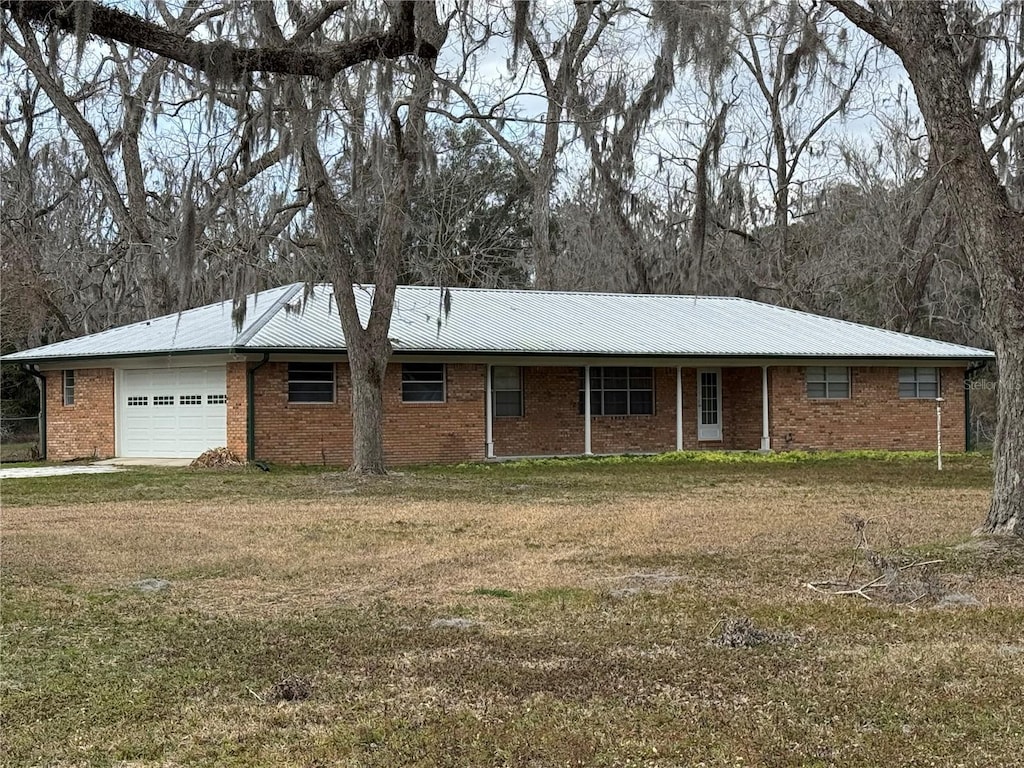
(172, 412)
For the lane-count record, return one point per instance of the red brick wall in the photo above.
(414, 433)
(873, 418)
(552, 425)
(85, 429)
(237, 408)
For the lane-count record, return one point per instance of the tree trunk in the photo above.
(992, 230)
(367, 370)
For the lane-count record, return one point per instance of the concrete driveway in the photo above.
(12, 473)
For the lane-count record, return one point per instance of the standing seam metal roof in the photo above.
(508, 322)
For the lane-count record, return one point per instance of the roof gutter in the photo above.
(41, 383)
(250, 405)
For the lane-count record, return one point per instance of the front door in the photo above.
(709, 404)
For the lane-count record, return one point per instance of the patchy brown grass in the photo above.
(589, 639)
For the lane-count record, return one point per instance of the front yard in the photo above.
(604, 612)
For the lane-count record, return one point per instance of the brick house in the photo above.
(502, 374)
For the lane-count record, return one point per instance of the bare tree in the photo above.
(940, 50)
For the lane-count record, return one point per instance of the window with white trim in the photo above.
(310, 382)
(163, 399)
(186, 400)
(919, 383)
(422, 382)
(619, 391)
(828, 382)
(507, 389)
(68, 388)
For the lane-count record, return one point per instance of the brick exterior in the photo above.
(552, 425)
(874, 417)
(85, 429)
(238, 416)
(414, 433)
(321, 433)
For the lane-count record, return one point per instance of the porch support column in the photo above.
(586, 412)
(489, 412)
(679, 407)
(766, 439)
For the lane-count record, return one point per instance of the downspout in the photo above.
(250, 407)
(41, 383)
(968, 377)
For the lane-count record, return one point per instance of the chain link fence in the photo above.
(19, 438)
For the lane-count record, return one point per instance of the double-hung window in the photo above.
(619, 391)
(828, 382)
(919, 383)
(422, 382)
(68, 389)
(507, 386)
(310, 382)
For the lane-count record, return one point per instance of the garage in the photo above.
(172, 412)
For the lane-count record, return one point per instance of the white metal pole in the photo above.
(489, 413)
(586, 411)
(938, 429)
(679, 407)
(766, 438)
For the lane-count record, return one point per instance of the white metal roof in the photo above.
(507, 322)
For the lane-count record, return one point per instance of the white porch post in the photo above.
(489, 414)
(766, 438)
(586, 411)
(679, 407)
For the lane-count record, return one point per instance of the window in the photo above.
(216, 399)
(619, 391)
(69, 388)
(135, 400)
(507, 385)
(422, 382)
(163, 399)
(310, 382)
(919, 383)
(829, 383)
(186, 400)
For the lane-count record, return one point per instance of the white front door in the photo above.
(171, 412)
(709, 404)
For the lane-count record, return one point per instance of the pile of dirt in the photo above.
(218, 458)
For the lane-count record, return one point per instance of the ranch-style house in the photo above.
(504, 373)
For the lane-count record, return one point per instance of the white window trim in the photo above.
(64, 387)
(715, 437)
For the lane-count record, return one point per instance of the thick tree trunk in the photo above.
(1006, 513)
(992, 231)
(367, 368)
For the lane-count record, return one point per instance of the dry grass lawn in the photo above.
(300, 624)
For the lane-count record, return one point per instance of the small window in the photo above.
(619, 391)
(919, 383)
(185, 400)
(69, 388)
(216, 399)
(310, 382)
(422, 382)
(137, 400)
(828, 383)
(507, 386)
(163, 400)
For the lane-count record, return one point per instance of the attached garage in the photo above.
(171, 412)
